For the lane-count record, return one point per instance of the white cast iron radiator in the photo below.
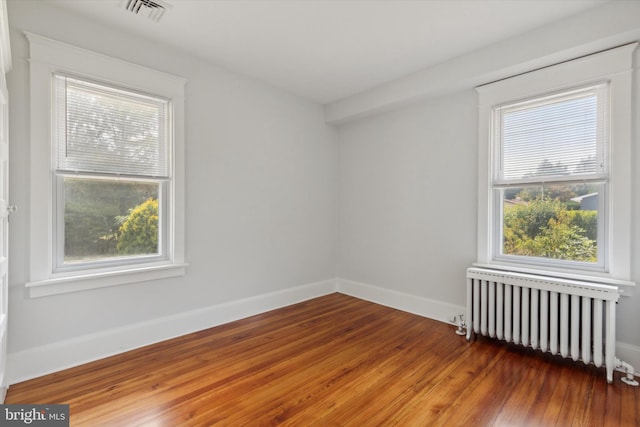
(567, 317)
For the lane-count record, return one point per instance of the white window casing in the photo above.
(612, 68)
(49, 58)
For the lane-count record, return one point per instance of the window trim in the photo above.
(614, 66)
(49, 56)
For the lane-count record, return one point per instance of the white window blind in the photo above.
(553, 138)
(102, 129)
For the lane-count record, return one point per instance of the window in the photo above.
(550, 178)
(554, 169)
(107, 171)
(112, 156)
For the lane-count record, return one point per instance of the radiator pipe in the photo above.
(629, 379)
(462, 325)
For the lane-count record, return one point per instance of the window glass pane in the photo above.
(106, 219)
(553, 137)
(552, 221)
(103, 129)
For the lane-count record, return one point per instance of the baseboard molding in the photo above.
(425, 307)
(35, 362)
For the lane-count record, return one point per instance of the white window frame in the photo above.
(600, 179)
(164, 199)
(614, 66)
(47, 57)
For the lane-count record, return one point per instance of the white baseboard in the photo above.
(35, 362)
(436, 310)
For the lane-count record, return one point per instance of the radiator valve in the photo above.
(628, 379)
(462, 325)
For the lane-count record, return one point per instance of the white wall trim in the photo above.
(5, 46)
(63, 285)
(35, 362)
(436, 310)
(32, 363)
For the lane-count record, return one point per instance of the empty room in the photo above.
(320, 212)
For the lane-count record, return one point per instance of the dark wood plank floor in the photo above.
(335, 361)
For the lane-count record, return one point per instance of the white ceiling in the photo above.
(326, 50)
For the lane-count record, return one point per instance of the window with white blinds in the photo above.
(112, 168)
(107, 170)
(559, 137)
(103, 129)
(555, 169)
(550, 173)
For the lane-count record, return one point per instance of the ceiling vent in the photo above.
(152, 9)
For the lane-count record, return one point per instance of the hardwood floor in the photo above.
(335, 361)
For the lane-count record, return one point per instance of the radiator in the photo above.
(564, 317)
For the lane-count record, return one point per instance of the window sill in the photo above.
(63, 285)
(626, 287)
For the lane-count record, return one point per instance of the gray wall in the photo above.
(277, 199)
(407, 198)
(260, 179)
(407, 204)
